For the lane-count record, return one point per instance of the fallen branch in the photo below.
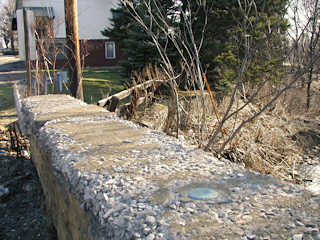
(128, 92)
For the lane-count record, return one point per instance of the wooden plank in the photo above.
(127, 92)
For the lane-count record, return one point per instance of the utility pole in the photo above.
(75, 73)
(27, 51)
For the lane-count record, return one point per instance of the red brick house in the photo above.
(93, 17)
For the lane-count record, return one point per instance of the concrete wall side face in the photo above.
(70, 220)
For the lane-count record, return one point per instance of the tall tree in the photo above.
(136, 43)
(313, 13)
(8, 36)
(256, 50)
(224, 38)
(218, 21)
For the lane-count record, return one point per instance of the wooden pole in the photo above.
(211, 97)
(75, 73)
(127, 92)
(27, 52)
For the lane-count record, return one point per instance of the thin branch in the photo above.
(268, 104)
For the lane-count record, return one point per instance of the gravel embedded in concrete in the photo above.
(136, 181)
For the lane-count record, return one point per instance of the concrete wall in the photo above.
(70, 221)
(105, 178)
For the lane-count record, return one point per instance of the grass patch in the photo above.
(97, 82)
(6, 98)
(105, 81)
(7, 107)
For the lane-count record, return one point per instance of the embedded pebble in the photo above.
(315, 235)
(298, 223)
(146, 230)
(240, 175)
(297, 237)
(150, 236)
(151, 219)
(190, 205)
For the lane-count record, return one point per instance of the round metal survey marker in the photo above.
(202, 194)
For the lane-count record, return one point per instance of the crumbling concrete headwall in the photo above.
(106, 178)
(70, 219)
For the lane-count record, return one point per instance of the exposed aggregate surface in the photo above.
(135, 181)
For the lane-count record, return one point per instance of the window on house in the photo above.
(110, 48)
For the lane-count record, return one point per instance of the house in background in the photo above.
(93, 17)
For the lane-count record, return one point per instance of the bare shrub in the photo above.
(255, 127)
(267, 144)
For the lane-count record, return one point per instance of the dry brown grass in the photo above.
(265, 145)
(274, 143)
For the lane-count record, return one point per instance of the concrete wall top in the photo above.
(135, 181)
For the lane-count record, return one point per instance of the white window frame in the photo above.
(106, 50)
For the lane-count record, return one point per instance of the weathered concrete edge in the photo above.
(18, 95)
(70, 220)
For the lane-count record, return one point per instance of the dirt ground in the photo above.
(22, 204)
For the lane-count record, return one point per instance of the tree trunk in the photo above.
(75, 73)
(12, 43)
(309, 90)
